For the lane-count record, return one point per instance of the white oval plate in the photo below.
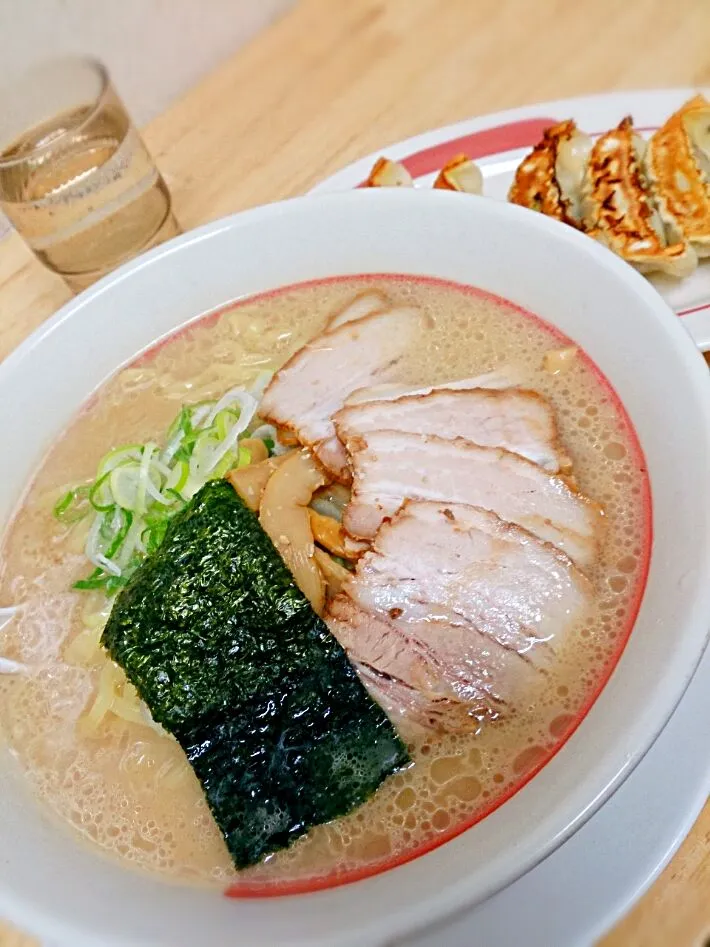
(498, 143)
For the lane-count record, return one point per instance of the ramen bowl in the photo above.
(53, 884)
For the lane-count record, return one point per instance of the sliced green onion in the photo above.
(117, 456)
(62, 506)
(177, 478)
(238, 397)
(121, 533)
(148, 451)
(96, 580)
(223, 422)
(175, 495)
(181, 424)
(129, 556)
(101, 498)
(124, 485)
(114, 583)
(73, 506)
(100, 580)
(139, 487)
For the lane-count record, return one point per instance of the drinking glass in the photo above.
(76, 179)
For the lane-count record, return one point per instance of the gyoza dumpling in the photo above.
(550, 177)
(618, 207)
(678, 163)
(386, 173)
(460, 174)
(697, 121)
(573, 151)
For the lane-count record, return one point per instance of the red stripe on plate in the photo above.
(489, 141)
(687, 312)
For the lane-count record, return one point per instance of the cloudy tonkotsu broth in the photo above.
(126, 788)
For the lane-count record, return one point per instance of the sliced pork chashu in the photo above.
(507, 377)
(411, 683)
(364, 304)
(520, 421)
(304, 395)
(459, 563)
(390, 466)
(454, 614)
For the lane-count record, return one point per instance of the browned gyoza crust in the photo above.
(680, 185)
(619, 209)
(535, 185)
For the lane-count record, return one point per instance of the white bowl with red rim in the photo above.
(53, 884)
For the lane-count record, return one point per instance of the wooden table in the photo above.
(335, 79)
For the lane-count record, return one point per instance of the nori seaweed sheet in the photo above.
(232, 660)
